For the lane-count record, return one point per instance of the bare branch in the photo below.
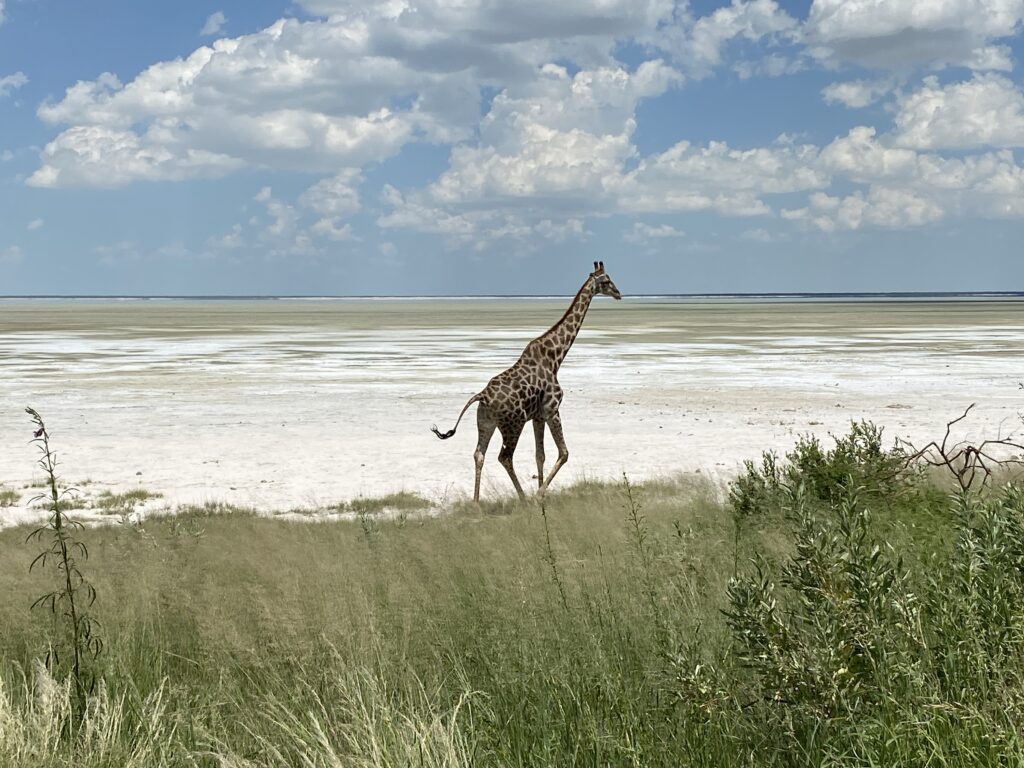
(965, 460)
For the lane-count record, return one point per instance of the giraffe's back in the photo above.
(522, 392)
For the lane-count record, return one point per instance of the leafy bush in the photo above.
(841, 648)
(858, 460)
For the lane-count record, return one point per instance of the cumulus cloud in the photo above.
(881, 206)
(282, 233)
(583, 175)
(907, 188)
(687, 177)
(559, 143)
(540, 117)
(987, 110)
(357, 84)
(285, 229)
(502, 22)
(35, 224)
(332, 229)
(336, 195)
(213, 24)
(564, 144)
(699, 45)
(9, 83)
(856, 94)
(902, 35)
(96, 156)
(345, 91)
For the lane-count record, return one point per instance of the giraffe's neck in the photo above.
(564, 332)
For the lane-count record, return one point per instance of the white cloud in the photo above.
(906, 188)
(354, 87)
(563, 143)
(500, 22)
(96, 156)
(6, 156)
(283, 216)
(557, 144)
(486, 194)
(336, 195)
(772, 65)
(332, 229)
(903, 34)
(227, 242)
(35, 224)
(285, 228)
(699, 45)
(12, 254)
(859, 156)
(346, 91)
(534, 157)
(1, 11)
(544, 163)
(13, 82)
(641, 232)
(991, 58)
(214, 23)
(881, 206)
(985, 111)
(719, 177)
(856, 93)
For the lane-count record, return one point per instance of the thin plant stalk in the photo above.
(63, 547)
(549, 557)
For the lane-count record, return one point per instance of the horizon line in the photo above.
(716, 294)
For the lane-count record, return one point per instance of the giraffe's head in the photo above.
(602, 283)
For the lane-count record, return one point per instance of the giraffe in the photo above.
(529, 391)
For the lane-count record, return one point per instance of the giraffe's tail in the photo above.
(450, 432)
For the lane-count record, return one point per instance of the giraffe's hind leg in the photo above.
(538, 435)
(485, 428)
(555, 423)
(510, 437)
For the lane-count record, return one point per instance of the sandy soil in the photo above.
(280, 405)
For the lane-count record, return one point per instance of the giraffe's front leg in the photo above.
(538, 434)
(555, 423)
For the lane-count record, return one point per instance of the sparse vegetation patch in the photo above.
(834, 608)
(8, 497)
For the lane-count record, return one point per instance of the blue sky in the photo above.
(500, 146)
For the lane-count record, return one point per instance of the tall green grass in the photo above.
(841, 616)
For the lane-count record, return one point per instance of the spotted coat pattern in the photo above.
(529, 391)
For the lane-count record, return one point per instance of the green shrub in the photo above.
(842, 654)
(859, 462)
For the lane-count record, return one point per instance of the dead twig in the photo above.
(965, 460)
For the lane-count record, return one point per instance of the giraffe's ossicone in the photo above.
(529, 391)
